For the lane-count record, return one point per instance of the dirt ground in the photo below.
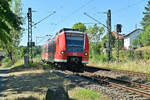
(25, 83)
(31, 82)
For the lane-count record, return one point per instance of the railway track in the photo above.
(135, 88)
(139, 74)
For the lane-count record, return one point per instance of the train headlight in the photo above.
(63, 52)
(85, 53)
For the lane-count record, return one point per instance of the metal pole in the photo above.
(109, 34)
(118, 30)
(30, 34)
(118, 49)
(28, 38)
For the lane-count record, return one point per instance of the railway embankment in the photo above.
(33, 82)
(137, 60)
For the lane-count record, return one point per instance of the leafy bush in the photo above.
(7, 62)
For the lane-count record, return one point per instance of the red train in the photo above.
(68, 48)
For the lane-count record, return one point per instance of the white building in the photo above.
(128, 39)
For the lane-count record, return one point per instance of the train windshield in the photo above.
(75, 42)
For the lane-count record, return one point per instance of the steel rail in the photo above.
(104, 80)
(121, 71)
(125, 82)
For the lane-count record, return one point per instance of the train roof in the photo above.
(68, 30)
(74, 32)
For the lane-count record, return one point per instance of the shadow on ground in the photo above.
(31, 98)
(27, 98)
(3, 80)
(38, 81)
(94, 69)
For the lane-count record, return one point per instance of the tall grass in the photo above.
(84, 94)
(136, 66)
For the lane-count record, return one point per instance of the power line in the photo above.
(45, 18)
(78, 9)
(109, 33)
(90, 23)
(75, 11)
(95, 19)
(42, 38)
(129, 6)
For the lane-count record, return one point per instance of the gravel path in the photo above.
(3, 80)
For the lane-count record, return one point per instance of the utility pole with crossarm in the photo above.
(30, 43)
(109, 35)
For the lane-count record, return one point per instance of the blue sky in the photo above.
(68, 12)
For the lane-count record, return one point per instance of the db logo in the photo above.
(74, 54)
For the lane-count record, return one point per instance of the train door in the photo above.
(51, 51)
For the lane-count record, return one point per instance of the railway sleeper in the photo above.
(132, 90)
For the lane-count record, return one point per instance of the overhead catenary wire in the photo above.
(129, 6)
(71, 14)
(95, 19)
(90, 23)
(124, 9)
(44, 18)
(75, 11)
(42, 38)
(120, 10)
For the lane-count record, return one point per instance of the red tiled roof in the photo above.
(117, 35)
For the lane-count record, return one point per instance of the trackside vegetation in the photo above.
(84, 94)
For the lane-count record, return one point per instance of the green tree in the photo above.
(94, 34)
(13, 21)
(136, 42)
(146, 19)
(81, 27)
(16, 7)
(22, 51)
(104, 41)
(145, 36)
(8, 21)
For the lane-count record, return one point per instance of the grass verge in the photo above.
(84, 94)
(136, 66)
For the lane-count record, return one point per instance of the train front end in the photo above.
(72, 49)
(77, 47)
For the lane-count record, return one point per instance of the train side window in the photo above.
(53, 47)
(49, 48)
